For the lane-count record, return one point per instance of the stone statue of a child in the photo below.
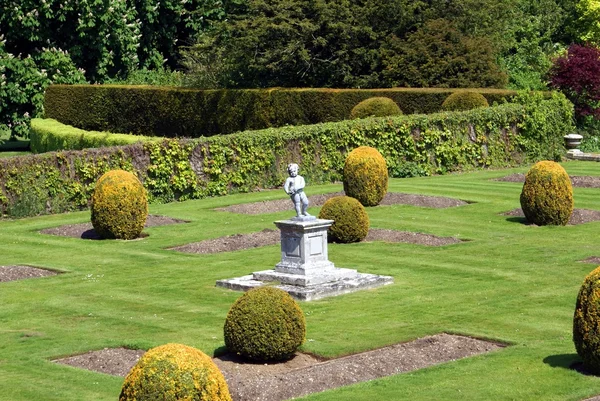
(294, 187)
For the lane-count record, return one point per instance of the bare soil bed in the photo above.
(391, 198)
(267, 236)
(305, 374)
(86, 230)
(579, 216)
(576, 181)
(21, 272)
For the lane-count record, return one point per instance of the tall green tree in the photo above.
(439, 55)
(102, 39)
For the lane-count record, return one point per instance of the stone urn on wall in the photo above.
(572, 142)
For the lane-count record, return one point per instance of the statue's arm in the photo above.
(288, 186)
(300, 184)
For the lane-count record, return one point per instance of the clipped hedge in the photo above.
(375, 107)
(48, 135)
(505, 135)
(264, 324)
(586, 318)
(119, 206)
(365, 175)
(547, 194)
(350, 219)
(178, 112)
(175, 372)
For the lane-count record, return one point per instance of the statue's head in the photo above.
(292, 169)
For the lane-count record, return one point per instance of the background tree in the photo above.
(577, 75)
(103, 39)
(439, 55)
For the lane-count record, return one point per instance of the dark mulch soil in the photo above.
(305, 374)
(12, 273)
(86, 230)
(579, 216)
(267, 236)
(591, 259)
(391, 198)
(576, 181)
(112, 361)
(271, 237)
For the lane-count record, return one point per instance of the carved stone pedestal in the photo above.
(305, 271)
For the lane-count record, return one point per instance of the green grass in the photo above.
(509, 282)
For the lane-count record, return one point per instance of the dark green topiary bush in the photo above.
(351, 221)
(119, 205)
(365, 175)
(464, 100)
(265, 324)
(174, 372)
(586, 322)
(547, 195)
(375, 107)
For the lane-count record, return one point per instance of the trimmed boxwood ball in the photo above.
(464, 100)
(586, 322)
(375, 107)
(119, 205)
(174, 372)
(265, 324)
(350, 219)
(365, 175)
(547, 195)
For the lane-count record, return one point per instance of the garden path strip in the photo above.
(305, 374)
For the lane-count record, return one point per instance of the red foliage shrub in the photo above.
(577, 75)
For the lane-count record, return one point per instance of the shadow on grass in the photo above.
(521, 220)
(570, 362)
(18, 145)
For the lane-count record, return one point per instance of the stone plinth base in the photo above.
(320, 277)
(356, 282)
(305, 271)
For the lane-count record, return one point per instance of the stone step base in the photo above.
(357, 282)
(320, 277)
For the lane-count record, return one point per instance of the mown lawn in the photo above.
(509, 282)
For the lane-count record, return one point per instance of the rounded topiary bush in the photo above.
(174, 372)
(351, 221)
(464, 100)
(586, 322)
(375, 107)
(547, 195)
(265, 324)
(365, 175)
(119, 205)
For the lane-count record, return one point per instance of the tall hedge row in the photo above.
(176, 112)
(178, 169)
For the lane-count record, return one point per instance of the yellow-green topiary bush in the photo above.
(175, 372)
(375, 107)
(351, 221)
(119, 205)
(365, 175)
(265, 324)
(547, 195)
(586, 322)
(464, 100)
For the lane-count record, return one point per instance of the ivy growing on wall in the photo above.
(178, 169)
